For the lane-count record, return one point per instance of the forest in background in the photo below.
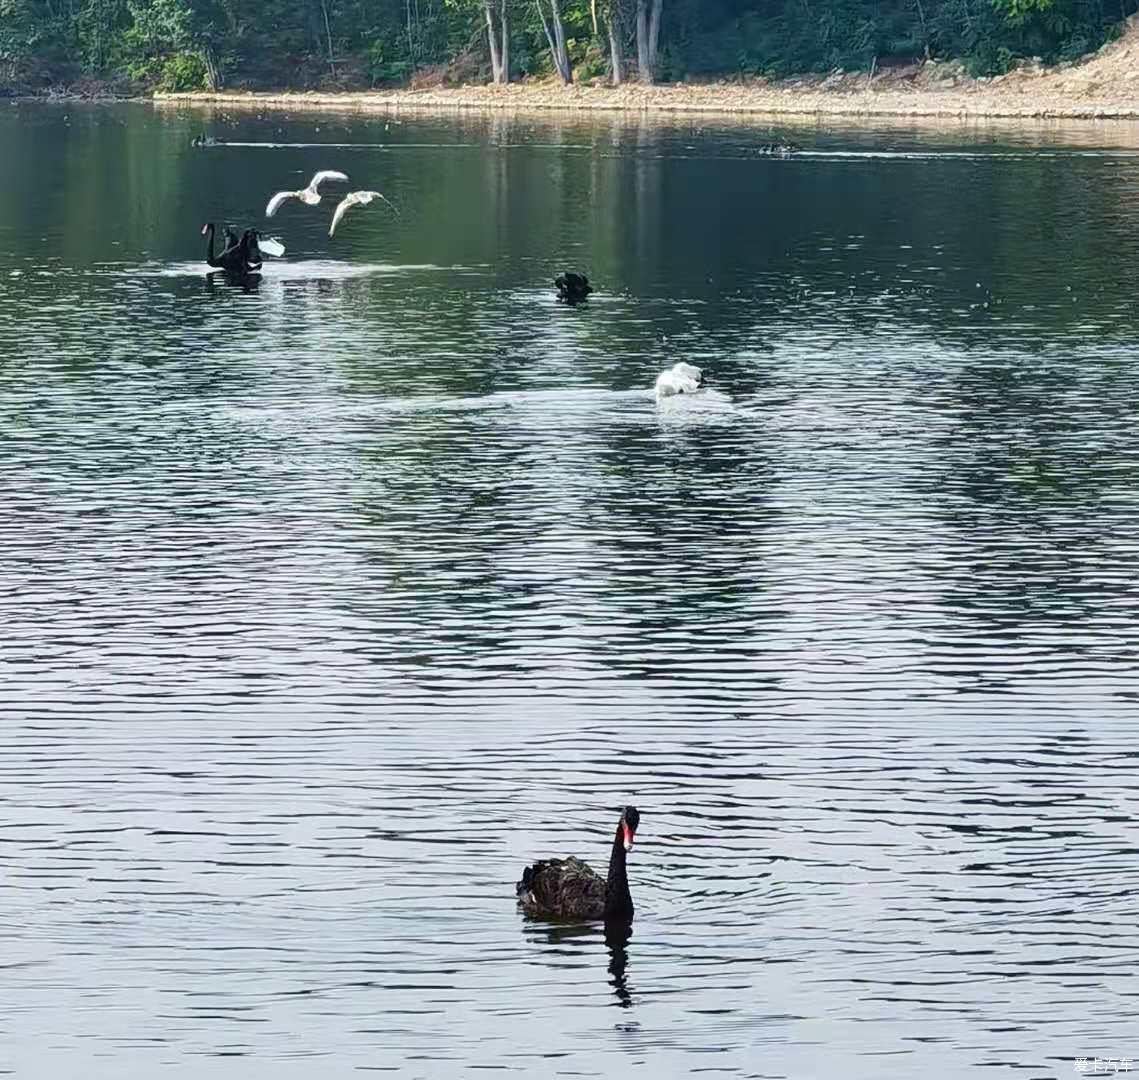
(349, 44)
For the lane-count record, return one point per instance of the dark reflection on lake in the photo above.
(329, 603)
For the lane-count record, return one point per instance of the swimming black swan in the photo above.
(572, 288)
(237, 256)
(569, 889)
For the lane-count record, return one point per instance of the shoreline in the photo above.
(1005, 99)
(71, 97)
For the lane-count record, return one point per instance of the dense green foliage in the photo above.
(184, 44)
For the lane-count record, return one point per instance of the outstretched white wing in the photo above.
(687, 377)
(276, 200)
(681, 378)
(341, 210)
(355, 198)
(325, 174)
(383, 198)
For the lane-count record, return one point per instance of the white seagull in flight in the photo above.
(356, 198)
(309, 195)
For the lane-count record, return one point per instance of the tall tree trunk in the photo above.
(617, 70)
(654, 36)
(328, 33)
(492, 39)
(648, 38)
(98, 35)
(560, 38)
(644, 64)
(504, 19)
(214, 80)
(556, 36)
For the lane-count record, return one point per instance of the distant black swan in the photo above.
(569, 889)
(237, 256)
(572, 288)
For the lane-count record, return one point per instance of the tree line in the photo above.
(191, 44)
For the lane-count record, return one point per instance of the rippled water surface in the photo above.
(331, 601)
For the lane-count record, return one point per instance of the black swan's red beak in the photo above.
(629, 834)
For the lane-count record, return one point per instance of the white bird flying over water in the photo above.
(309, 195)
(681, 378)
(355, 198)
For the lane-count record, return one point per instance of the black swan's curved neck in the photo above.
(250, 250)
(618, 902)
(237, 256)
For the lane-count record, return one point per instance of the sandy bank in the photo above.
(982, 100)
(1103, 86)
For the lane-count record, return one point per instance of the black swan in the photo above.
(569, 889)
(572, 288)
(237, 256)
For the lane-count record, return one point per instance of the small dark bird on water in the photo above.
(568, 889)
(572, 288)
(777, 149)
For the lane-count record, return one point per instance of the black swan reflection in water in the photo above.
(616, 940)
(616, 937)
(568, 889)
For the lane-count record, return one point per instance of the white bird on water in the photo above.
(355, 198)
(681, 378)
(309, 195)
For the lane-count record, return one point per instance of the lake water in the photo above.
(331, 602)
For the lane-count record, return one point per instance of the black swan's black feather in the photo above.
(572, 287)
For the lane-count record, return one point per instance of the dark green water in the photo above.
(331, 601)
